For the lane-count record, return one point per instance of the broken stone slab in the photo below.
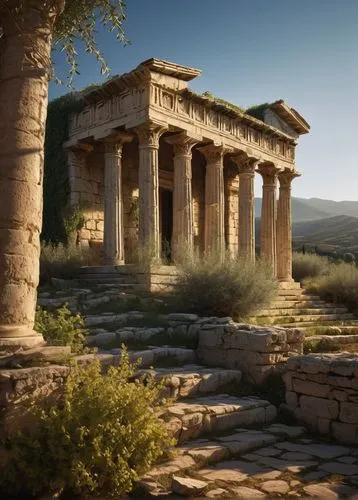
(187, 486)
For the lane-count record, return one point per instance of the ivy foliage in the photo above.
(258, 111)
(56, 176)
(100, 439)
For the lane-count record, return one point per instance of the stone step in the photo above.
(287, 304)
(308, 324)
(177, 356)
(296, 320)
(191, 380)
(302, 311)
(333, 342)
(191, 418)
(332, 330)
(290, 293)
(108, 277)
(112, 283)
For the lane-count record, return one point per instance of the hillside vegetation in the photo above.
(334, 234)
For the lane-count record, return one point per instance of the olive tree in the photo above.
(29, 29)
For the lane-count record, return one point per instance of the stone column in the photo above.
(182, 194)
(148, 180)
(231, 181)
(113, 202)
(284, 226)
(269, 175)
(214, 235)
(246, 169)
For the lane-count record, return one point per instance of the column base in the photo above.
(288, 284)
(12, 344)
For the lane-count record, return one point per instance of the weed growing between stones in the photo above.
(100, 438)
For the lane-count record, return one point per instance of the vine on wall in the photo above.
(56, 175)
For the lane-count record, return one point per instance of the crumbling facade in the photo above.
(153, 163)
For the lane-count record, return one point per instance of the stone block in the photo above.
(319, 407)
(345, 433)
(247, 417)
(311, 388)
(349, 413)
(210, 337)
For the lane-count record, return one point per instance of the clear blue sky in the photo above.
(253, 51)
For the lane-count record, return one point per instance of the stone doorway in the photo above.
(166, 222)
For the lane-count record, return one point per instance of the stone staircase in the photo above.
(209, 422)
(294, 307)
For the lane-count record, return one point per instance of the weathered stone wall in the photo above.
(322, 392)
(256, 351)
(87, 187)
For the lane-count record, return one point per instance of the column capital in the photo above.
(286, 177)
(246, 164)
(149, 134)
(214, 153)
(113, 143)
(183, 143)
(269, 173)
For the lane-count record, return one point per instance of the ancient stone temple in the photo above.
(154, 163)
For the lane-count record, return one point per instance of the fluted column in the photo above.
(284, 226)
(113, 203)
(269, 175)
(182, 194)
(214, 235)
(148, 180)
(246, 169)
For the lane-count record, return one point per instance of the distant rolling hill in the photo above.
(338, 233)
(314, 208)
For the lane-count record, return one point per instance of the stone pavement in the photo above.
(278, 461)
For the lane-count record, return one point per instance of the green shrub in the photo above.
(100, 438)
(61, 327)
(230, 287)
(308, 265)
(339, 284)
(61, 261)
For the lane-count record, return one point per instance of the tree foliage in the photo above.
(75, 21)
